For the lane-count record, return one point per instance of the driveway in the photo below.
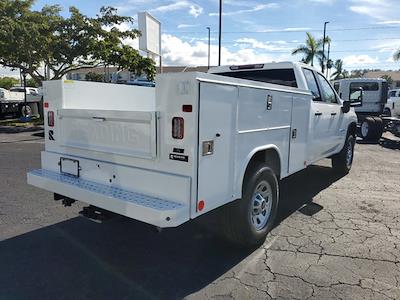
(337, 238)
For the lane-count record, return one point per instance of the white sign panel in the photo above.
(150, 40)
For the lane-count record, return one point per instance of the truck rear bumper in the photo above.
(148, 209)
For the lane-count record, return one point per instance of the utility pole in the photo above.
(220, 29)
(327, 61)
(209, 46)
(323, 49)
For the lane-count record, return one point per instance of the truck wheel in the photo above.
(26, 111)
(378, 128)
(343, 161)
(367, 130)
(246, 222)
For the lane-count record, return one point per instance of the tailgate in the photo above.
(130, 133)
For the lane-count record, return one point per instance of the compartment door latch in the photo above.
(208, 148)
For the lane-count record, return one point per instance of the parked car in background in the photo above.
(141, 82)
(392, 107)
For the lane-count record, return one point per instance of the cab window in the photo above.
(312, 84)
(284, 77)
(327, 93)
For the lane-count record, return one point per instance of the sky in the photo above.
(364, 33)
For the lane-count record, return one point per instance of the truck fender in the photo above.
(242, 169)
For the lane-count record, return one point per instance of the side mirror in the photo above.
(346, 106)
(356, 97)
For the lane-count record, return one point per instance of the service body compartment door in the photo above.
(217, 119)
(130, 133)
(299, 132)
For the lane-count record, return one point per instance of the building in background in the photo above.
(395, 75)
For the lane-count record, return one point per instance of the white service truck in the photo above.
(195, 142)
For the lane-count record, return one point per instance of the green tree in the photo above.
(32, 82)
(29, 39)
(311, 50)
(340, 72)
(396, 55)
(92, 76)
(8, 82)
(388, 78)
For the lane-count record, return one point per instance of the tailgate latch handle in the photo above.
(100, 119)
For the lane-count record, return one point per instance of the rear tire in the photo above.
(368, 129)
(26, 111)
(247, 221)
(379, 128)
(343, 161)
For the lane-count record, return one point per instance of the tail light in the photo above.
(178, 128)
(50, 118)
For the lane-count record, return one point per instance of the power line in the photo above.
(299, 42)
(292, 30)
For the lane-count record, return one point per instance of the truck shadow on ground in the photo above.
(125, 259)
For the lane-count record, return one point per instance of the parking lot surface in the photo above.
(336, 238)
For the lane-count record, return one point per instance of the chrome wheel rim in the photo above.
(261, 205)
(364, 129)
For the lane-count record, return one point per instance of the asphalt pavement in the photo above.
(336, 238)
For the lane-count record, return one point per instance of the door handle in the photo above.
(333, 114)
(99, 119)
(318, 113)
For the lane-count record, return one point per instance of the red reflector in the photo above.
(178, 127)
(201, 205)
(187, 108)
(50, 118)
(46, 105)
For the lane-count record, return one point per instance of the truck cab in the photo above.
(327, 122)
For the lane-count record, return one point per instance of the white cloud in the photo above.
(390, 22)
(8, 72)
(193, 9)
(376, 9)
(362, 60)
(388, 47)
(257, 7)
(269, 46)
(178, 52)
(187, 25)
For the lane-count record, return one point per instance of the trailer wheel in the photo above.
(26, 111)
(368, 128)
(246, 222)
(343, 161)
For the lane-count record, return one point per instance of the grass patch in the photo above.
(18, 123)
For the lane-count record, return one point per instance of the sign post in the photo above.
(150, 40)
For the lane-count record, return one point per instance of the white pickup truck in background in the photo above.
(193, 143)
(392, 108)
(12, 102)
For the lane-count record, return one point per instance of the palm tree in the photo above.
(396, 55)
(340, 72)
(311, 49)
